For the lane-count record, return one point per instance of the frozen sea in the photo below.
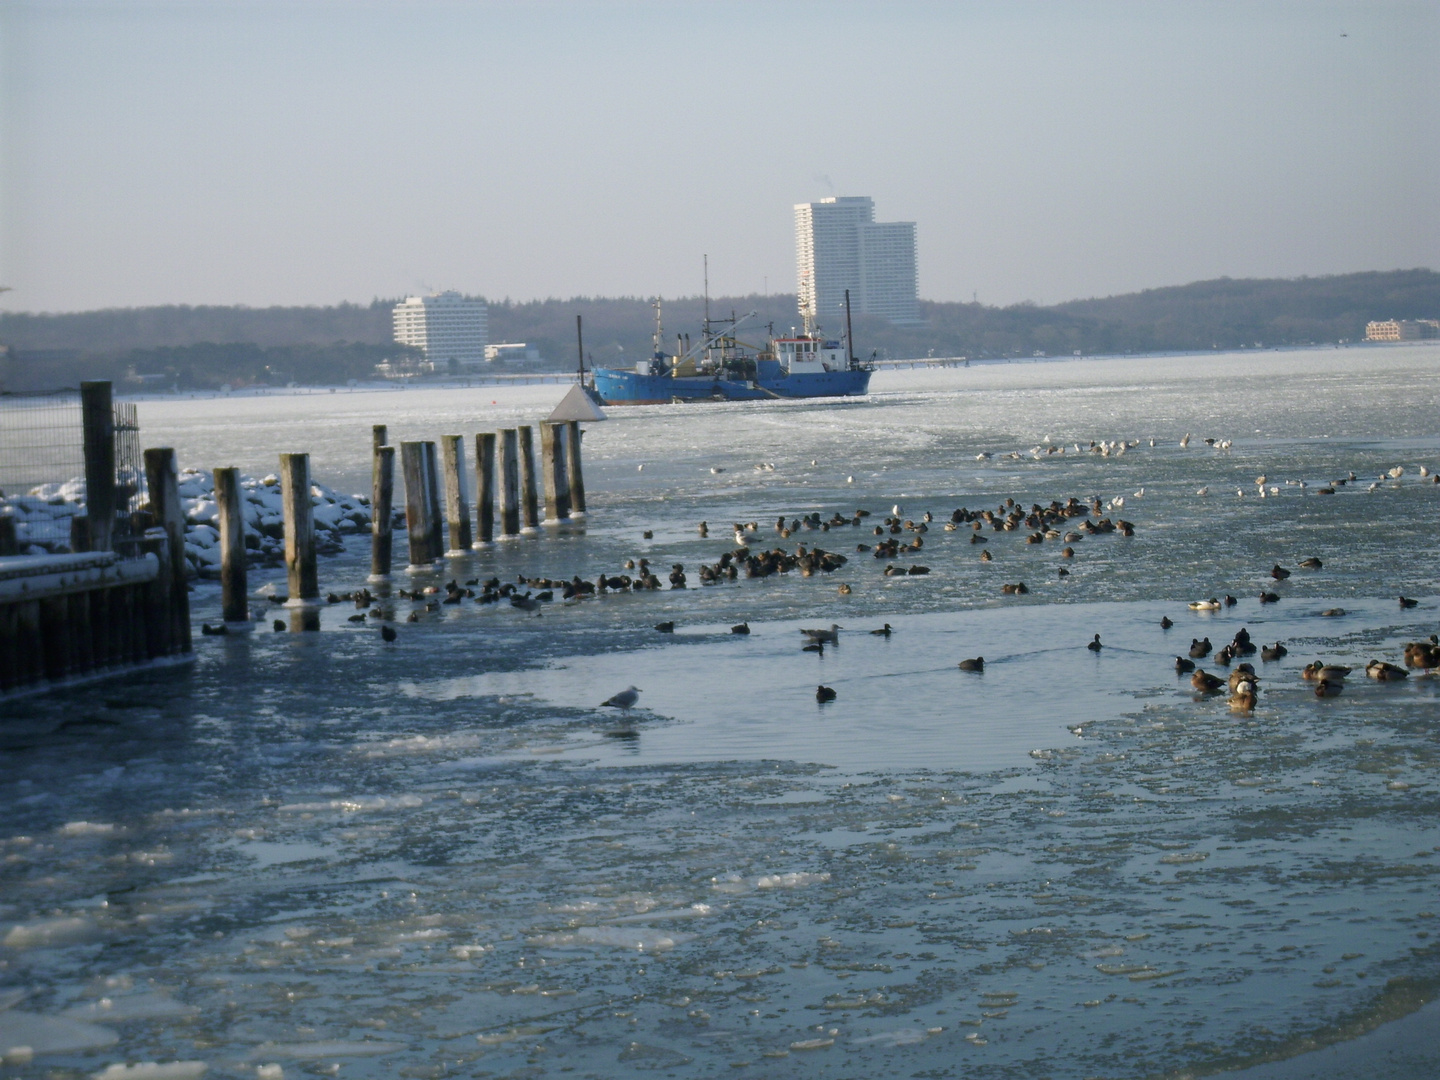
(319, 854)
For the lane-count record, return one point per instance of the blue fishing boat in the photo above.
(722, 368)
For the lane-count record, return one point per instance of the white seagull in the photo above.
(624, 701)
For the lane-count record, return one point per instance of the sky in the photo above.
(309, 152)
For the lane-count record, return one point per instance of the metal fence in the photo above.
(42, 471)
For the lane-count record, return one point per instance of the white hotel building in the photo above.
(839, 245)
(450, 329)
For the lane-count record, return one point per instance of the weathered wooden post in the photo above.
(436, 540)
(529, 496)
(9, 541)
(510, 483)
(382, 512)
(299, 510)
(162, 482)
(97, 415)
(577, 478)
(155, 603)
(234, 602)
(552, 469)
(485, 500)
(457, 505)
(417, 515)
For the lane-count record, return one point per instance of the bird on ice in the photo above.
(624, 701)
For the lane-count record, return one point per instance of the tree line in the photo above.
(207, 346)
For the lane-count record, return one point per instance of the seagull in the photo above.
(831, 636)
(1204, 490)
(624, 701)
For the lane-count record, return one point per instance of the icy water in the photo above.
(318, 854)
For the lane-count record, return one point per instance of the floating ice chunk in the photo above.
(43, 933)
(328, 1048)
(639, 939)
(694, 911)
(358, 804)
(269, 1072)
(812, 1044)
(792, 880)
(1185, 857)
(132, 1007)
(50, 1034)
(86, 828)
(153, 1070)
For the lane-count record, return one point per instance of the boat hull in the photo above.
(632, 388)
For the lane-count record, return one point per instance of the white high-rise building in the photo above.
(450, 329)
(839, 245)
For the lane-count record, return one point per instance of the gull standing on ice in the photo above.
(624, 701)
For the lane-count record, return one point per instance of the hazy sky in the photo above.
(311, 152)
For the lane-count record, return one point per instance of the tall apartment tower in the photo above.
(839, 245)
(450, 329)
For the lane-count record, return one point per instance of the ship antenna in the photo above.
(707, 295)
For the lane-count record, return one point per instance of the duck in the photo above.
(1243, 673)
(665, 627)
(1213, 604)
(976, 663)
(1328, 688)
(1378, 669)
(1422, 654)
(1311, 563)
(1243, 695)
(1205, 682)
(1406, 602)
(742, 628)
(1320, 671)
(1095, 645)
(388, 633)
(1279, 573)
(1273, 652)
(884, 631)
(824, 694)
(1199, 649)
(1183, 666)
(1165, 622)
(1269, 598)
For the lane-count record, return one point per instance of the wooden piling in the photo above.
(378, 438)
(9, 541)
(529, 496)
(436, 541)
(417, 508)
(485, 497)
(509, 483)
(234, 563)
(299, 511)
(155, 605)
(382, 510)
(552, 469)
(97, 416)
(457, 503)
(577, 477)
(163, 484)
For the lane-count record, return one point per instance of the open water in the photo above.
(319, 854)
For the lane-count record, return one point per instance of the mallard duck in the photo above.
(1205, 682)
(1378, 669)
(1321, 671)
(1243, 696)
(1328, 688)
(1243, 673)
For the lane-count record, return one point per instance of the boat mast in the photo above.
(707, 295)
(849, 336)
(580, 349)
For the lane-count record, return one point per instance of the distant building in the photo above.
(839, 245)
(451, 330)
(1402, 329)
(511, 352)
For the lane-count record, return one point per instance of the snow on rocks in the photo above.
(42, 518)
